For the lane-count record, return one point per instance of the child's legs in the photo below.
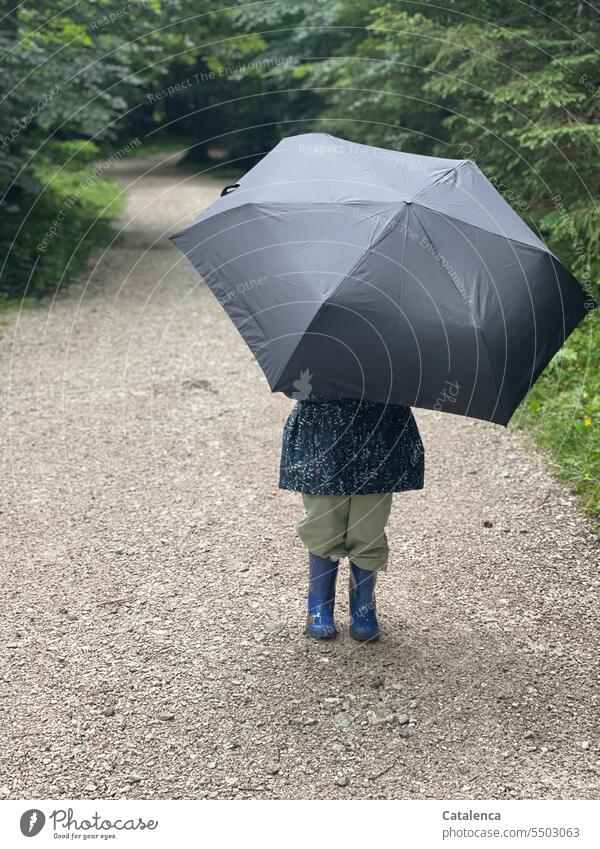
(323, 529)
(366, 542)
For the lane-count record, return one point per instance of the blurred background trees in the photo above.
(515, 86)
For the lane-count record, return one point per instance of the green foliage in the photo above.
(72, 214)
(76, 80)
(563, 412)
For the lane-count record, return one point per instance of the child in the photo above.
(347, 457)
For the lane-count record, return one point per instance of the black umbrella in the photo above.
(370, 273)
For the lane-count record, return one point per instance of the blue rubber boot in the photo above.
(363, 616)
(321, 598)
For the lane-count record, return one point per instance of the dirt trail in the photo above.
(152, 587)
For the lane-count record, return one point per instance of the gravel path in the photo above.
(152, 587)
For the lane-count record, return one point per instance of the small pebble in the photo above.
(381, 715)
(343, 720)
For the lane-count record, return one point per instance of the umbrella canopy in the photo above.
(368, 273)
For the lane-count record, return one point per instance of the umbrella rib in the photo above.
(326, 236)
(449, 215)
(439, 179)
(346, 276)
(468, 305)
(371, 246)
(363, 167)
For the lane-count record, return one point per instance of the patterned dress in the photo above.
(350, 447)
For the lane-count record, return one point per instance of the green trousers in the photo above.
(347, 526)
